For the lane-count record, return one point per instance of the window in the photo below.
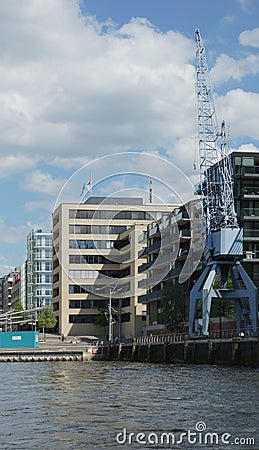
(80, 214)
(125, 317)
(248, 161)
(238, 160)
(80, 229)
(82, 318)
(89, 259)
(83, 274)
(88, 304)
(55, 220)
(48, 278)
(90, 244)
(97, 229)
(48, 265)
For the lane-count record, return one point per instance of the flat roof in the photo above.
(114, 201)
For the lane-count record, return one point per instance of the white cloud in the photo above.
(10, 234)
(14, 164)
(247, 148)
(245, 5)
(241, 113)
(42, 183)
(227, 68)
(79, 92)
(250, 37)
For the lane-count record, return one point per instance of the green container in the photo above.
(19, 339)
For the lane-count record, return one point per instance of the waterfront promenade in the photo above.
(231, 351)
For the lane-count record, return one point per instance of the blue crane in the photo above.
(223, 238)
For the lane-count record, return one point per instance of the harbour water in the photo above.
(96, 405)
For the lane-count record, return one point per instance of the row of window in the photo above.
(86, 288)
(97, 229)
(109, 214)
(41, 254)
(90, 318)
(90, 244)
(89, 259)
(44, 266)
(43, 278)
(83, 274)
(95, 304)
(88, 304)
(44, 292)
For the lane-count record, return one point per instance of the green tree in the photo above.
(47, 320)
(20, 314)
(101, 320)
(222, 308)
(173, 307)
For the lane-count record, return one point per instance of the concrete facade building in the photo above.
(7, 286)
(174, 248)
(95, 256)
(246, 196)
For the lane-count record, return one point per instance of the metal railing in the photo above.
(247, 170)
(181, 337)
(161, 338)
(250, 190)
(251, 233)
(251, 212)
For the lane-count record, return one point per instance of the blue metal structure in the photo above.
(223, 238)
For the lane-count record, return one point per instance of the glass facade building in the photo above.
(39, 269)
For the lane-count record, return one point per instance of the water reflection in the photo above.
(70, 405)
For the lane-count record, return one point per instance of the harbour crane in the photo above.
(223, 238)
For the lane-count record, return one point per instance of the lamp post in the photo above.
(111, 321)
(110, 317)
(10, 316)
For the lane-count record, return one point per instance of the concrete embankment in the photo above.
(204, 351)
(50, 350)
(242, 352)
(29, 356)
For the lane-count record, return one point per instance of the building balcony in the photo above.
(181, 218)
(251, 192)
(154, 247)
(185, 234)
(250, 171)
(153, 231)
(155, 295)
(144, 267)
(251, 235)
(250, 256)
(251, 214)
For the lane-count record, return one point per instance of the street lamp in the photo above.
(10, 317)
(111, 320)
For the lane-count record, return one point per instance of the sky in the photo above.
(106, 88)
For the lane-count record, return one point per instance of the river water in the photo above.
(96, 405)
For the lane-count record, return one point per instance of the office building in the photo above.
(95, 257)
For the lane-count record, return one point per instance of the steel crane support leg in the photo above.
(206, 298)
(204, 290)
(194, 297)
(252, 297)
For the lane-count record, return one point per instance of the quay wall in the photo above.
(229, 352)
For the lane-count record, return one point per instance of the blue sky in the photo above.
(83, 80)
